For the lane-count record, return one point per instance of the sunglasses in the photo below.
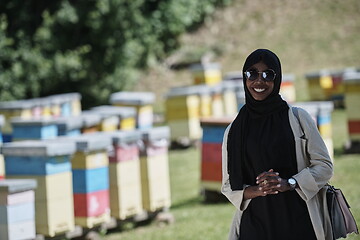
(268, 75)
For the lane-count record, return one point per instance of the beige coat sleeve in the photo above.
(314, 175)
(235, 197)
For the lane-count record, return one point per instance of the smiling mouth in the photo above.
(259, 90)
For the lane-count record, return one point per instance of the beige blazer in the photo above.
(315, 169)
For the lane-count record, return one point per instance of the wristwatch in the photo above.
(292, 183)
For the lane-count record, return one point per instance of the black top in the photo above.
(284, 215)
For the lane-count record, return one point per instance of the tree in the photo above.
(94, 47)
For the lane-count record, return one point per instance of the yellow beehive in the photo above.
(155, 180)
(318, 84)
(352, 100)
(141, 101)
(53, 203)
(126, 115)
(209, 73)
(125, 189)
(182, 107)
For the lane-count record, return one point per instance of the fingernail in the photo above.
(278, 185)
(260, 188)
(257, 182)
(276, 192)
(265, 192)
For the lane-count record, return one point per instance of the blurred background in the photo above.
(173, 66)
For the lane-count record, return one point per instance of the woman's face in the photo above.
(260, 89)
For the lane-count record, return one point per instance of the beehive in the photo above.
(33, 129)
(17, 209)
(211, 150)
(125, 179)
(109, 121)
(49, 164)
(126, 115)
(321, 112)
(91, 179)
(352, 100)
(143, 103)
(209, 73)
(182, 115)
(154, 165)
(319, 85)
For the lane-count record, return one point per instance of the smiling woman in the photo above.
(265, 174)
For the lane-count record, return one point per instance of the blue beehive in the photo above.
(37, 157)
(34, 129)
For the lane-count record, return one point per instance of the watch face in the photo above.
(292, 181)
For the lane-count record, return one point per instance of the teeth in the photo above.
(259, 89)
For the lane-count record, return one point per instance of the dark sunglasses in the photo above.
(268, 75)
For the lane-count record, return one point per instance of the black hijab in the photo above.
(253, 109)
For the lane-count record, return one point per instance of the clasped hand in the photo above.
(267, 183)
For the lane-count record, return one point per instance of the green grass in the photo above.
(194, 219)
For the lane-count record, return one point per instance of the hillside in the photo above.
(307, 35)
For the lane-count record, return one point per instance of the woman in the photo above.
(275, 162)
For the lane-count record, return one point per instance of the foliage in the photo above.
(94, 47)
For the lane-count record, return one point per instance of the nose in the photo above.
(259, 78)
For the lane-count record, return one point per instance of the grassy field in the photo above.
(197, 220)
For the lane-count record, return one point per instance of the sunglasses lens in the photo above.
(251, 75)
(269, 75)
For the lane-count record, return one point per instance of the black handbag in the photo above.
(342, 221)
